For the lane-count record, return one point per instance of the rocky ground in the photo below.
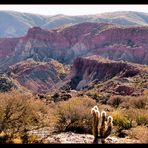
(74, 138)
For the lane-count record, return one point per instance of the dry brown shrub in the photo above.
(115, 101)
(139, 102)
(20, 113)
(140, 133)
(74, 115)
(145, 92)
(128, 102)
(137, 116)
(106, 108)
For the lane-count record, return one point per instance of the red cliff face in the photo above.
(7, 46)
(119, 78)
(86, 71)
(65, 44)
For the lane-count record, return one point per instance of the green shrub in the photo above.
(121, 120)
(142, 117)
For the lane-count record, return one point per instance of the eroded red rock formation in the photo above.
(65, 44)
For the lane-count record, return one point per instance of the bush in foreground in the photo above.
(74, 115)
(140, 133)
(20, 113)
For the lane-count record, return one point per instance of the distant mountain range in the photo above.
(16, 24)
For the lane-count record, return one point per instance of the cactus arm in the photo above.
(103, 123)
(103, 126)
(109, 126)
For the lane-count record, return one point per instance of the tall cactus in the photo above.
(105, 125)
(96, 117)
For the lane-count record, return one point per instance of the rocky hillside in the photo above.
(6, 84)
(65, 44)
(27, 59)
(118, 78)
(15, 24)
(38, 77)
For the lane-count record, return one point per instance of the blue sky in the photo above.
(73, 9)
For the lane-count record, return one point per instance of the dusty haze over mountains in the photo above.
(15, 24)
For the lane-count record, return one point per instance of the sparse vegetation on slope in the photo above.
(23, 116)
